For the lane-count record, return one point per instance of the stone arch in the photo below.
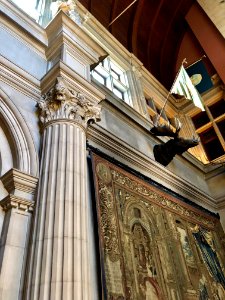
(20, 141)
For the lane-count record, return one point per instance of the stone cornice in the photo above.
(21, 35)
(104, 38)
(134, 119)
(15, 180)
(126, 59)
(62, 102)
(19, 79)
(21, 188)
(213, 170)
(63, 30)
(127, 112)
(221, 203)
(147, 166)
(18, 203)
(73, 80)
(23, 20)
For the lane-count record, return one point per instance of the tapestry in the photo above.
(151, 243)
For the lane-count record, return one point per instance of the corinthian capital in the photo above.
(61, 102)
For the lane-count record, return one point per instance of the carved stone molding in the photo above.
(75, 14)
(137, 71)
(21, 188)
(15, 180)
(12, 201)
(61, 102)
(147, 166)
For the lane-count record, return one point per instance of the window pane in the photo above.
(116, 69)
(118, 93)
(98, 77)
(114, 78)
(105, 63)
(200, 119)
(101, 71)
(29, 6)
(115, 75)
(217, 109)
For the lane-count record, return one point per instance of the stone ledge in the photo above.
(21, 204)
(19, 184)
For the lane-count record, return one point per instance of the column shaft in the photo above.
(61, 257)
(59, 265)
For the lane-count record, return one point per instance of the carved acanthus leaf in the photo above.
(71, 8)
(61, 102)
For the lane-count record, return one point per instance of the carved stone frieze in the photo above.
(72, 10)
(18, 203)
(61, 102)
(76, 16)
(21, 190)
(16, 182)
(137, 71)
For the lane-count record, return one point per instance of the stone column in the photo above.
(18, 206)
(60, 262)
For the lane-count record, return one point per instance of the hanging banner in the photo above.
(146, 238)
(199, 76)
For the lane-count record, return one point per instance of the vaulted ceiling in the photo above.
(151, 29)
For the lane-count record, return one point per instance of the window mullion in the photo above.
(114, 79)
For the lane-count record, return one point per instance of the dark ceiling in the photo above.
(151, 29)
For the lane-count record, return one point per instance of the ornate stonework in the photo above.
(21, 188)
(62, 199)
(71, 9)
(61, 102)
(19, 203)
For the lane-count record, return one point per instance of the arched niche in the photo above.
(17, 149)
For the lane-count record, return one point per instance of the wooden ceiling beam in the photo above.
(113, 15)
(166, 58)
(133, 33)
(149, 44)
